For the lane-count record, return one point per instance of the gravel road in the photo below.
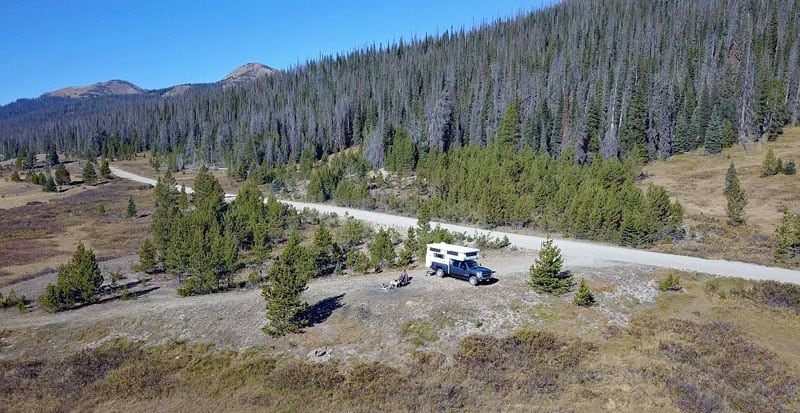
(576, 253)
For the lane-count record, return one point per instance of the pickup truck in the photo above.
(466, 270)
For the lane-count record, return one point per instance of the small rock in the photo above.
(320, 355)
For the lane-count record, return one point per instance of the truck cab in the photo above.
(457, 261)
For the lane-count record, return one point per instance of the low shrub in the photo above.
(535, 361)
(671, 282)
(584, 296)
(127, 294)
(789, 168)
(772, 294)
(418, 332)
(13, 300)
(713, 367)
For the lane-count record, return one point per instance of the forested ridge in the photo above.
(608, 76)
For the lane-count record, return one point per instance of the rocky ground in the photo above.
(351, 316)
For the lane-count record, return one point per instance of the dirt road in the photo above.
(575, 253)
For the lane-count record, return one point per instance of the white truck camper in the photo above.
(456, 260)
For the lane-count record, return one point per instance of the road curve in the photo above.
(575, 253)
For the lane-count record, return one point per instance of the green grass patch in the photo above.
(418, 332)
(545, 313)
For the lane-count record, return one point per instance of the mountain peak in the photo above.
(112, 87)
(247, 72)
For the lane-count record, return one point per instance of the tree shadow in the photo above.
(323, 309)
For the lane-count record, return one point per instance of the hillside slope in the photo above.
(697, 180)
(608, 76)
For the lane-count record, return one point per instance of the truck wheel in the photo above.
(439, 272)
(473, 280)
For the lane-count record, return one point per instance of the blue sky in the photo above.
(47, 45)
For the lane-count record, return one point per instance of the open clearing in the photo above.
(356, 317)
(637, 349)
(39, 230)
(696, 180)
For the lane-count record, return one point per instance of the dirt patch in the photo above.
(352, 316)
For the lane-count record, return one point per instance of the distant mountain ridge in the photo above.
(117, 87)
(110, 88)
(246, 73)
(580, 79)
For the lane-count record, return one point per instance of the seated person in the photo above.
(403, 277)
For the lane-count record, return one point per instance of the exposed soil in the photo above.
(351, 316)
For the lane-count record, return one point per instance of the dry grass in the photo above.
(696, 181)
(17, 194)
(41, 234)
(141, 166)
(702, 349)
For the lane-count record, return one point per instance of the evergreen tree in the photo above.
(314, 190)
(208, 194)
(148, 257)
(62, 175)
(633, 135)
(131, 209)
(696, 126)
(247, 218)
(15, 176)
(730, 134)
(105, 169)
(661, 213)
(715, 134)
(30, 160)
(405, 257)
(401, 155)
(89, 174)
(771, 165)
(545, 273)
(19, 163)
(288, 278)
(584, 296)
(736, 202)
(785, 239)
(730, 177)
(594, 122)
(183, 199)
(381, 250)
(49, 185)
(325, 249)
(165, 214)
(508, 132)
(306, 162)
(411, 243)
(52, 157)
(77, 282)
(357, 261)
